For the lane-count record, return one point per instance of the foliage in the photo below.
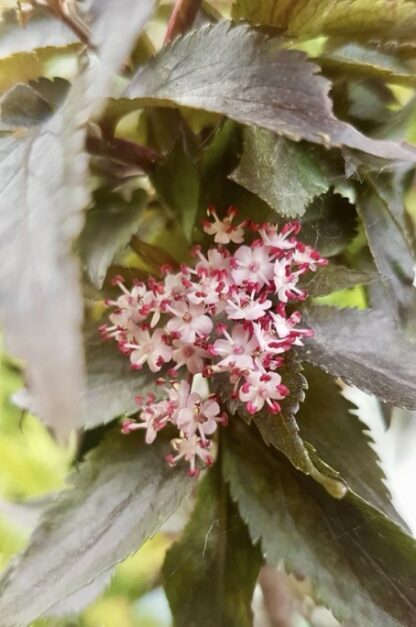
(113, 144)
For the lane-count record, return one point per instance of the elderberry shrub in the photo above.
(226, 314)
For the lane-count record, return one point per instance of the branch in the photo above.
(182, 18)
(67, 11)
(123, 151)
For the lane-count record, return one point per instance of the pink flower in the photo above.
(283, 240)
(252, 265)
(286, 327)
(178, 395)
(269, 342)
(222, 230)
(151, 349)
(149, 420)
(208, 290)
(223, 316)
(260, 388)
(285, 281)
(216, 262)
(189, 321)
(236, 350)
(190, 450)
(246, 307)
(199, 417)
(307, 258)
(174, 287)
(131, 308)
(189, 355)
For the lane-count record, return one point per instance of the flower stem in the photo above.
(182, 18)
(123, 151)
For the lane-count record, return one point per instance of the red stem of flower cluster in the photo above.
(182, 18)
(124, 151)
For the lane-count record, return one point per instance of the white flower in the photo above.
(243, 307)
(252, 264)
(260, 388)
(283, 240)
(307, 257)
(236, 350)
(223, 316)
(189, 355)
(151, 349)
(189, 321)
(285, 281)
(216, 262)
(190, 450)
(199, 417)
(223, 230)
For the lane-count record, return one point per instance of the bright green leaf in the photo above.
(382, 19)
(24, 51)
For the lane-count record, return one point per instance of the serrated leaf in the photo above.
(114, 35)
(360, 563)
(219, 158)
(109, 227)
(333, 278)
(211, 572)
(365, 349)
(391, 252)
(120, 496)
(42, 31)
(22, 106)
(329, 422)
(284, 174)
(355, 61)
(43, 177)
(274, 89)
(53, 91)
(383, 19)
(329, 224)
(282, 432)
(176, 181)
(111, 383)
(24, 51)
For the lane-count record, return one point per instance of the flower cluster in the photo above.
(226, 315)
